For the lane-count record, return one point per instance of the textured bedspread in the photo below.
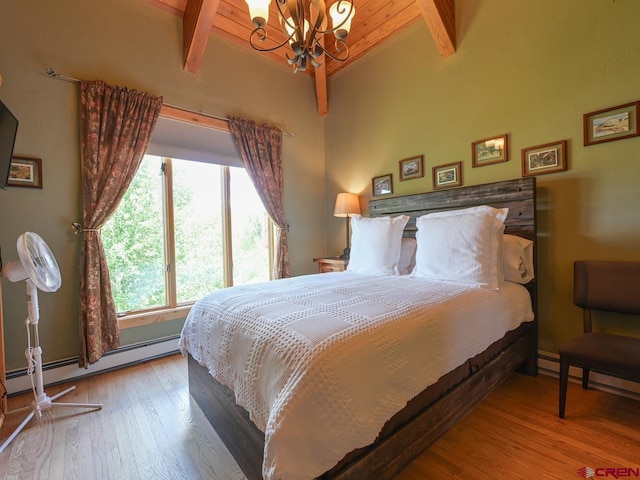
(321, 362)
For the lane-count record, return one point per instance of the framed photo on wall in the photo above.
(382, 185)
(610, 124)
(489, 151)
(25, 172)
(411, 168)
(446, 176)
(547, 158)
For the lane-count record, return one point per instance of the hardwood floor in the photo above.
(149, 428)
(515, 433)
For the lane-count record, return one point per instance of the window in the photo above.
(183, 229)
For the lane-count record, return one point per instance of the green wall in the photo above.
(130, 43)
(527, 68)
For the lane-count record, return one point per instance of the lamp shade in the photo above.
(346, 204)
(259, 11)
(341, 13)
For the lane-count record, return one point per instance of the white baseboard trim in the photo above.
(18, 381)
(549, 364)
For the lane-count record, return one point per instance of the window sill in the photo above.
(156, 316)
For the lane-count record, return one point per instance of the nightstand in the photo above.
(331, 264)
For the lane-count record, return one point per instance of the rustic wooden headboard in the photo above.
(519, 195)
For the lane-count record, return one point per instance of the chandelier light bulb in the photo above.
(259, 12)
(341, 13)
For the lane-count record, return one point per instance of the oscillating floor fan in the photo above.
(38, 267)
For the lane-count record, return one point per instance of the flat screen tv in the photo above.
(8, 130)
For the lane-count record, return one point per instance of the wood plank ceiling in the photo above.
(375, 21)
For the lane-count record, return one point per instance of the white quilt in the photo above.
(322, 361)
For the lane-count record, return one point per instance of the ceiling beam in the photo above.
(196, 26)
(440, 18)
(320, 75)
(321, 89)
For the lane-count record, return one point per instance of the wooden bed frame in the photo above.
(414, 429)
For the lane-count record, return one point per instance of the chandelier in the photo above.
(304, 24)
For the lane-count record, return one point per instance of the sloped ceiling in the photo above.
(375, 21)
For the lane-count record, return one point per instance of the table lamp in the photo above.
(347, 204)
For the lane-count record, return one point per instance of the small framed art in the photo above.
(489, 151)
(25, 172)
(411, 168)
(382, 185)
(610, 124)
(446, 176)
(547, 158)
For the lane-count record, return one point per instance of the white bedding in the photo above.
(322, 361)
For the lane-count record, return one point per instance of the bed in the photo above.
(410, 425)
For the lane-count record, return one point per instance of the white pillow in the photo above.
(517, 256)
(407, 256)
(375, 244)
(463, 246)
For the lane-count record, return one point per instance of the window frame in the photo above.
(175, 310)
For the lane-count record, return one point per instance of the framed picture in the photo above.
(25, 172)
(411, 168)
(613, 123)
(489, 151)
(445, 176)
(547, 158)
(382, 185)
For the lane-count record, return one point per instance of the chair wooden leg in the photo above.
(564, 379)
(585, 378)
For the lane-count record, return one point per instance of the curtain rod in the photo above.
(49, 72)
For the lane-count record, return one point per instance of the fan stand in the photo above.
(42, 401)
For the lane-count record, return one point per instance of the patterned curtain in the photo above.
(261, 150)
(116, 128)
